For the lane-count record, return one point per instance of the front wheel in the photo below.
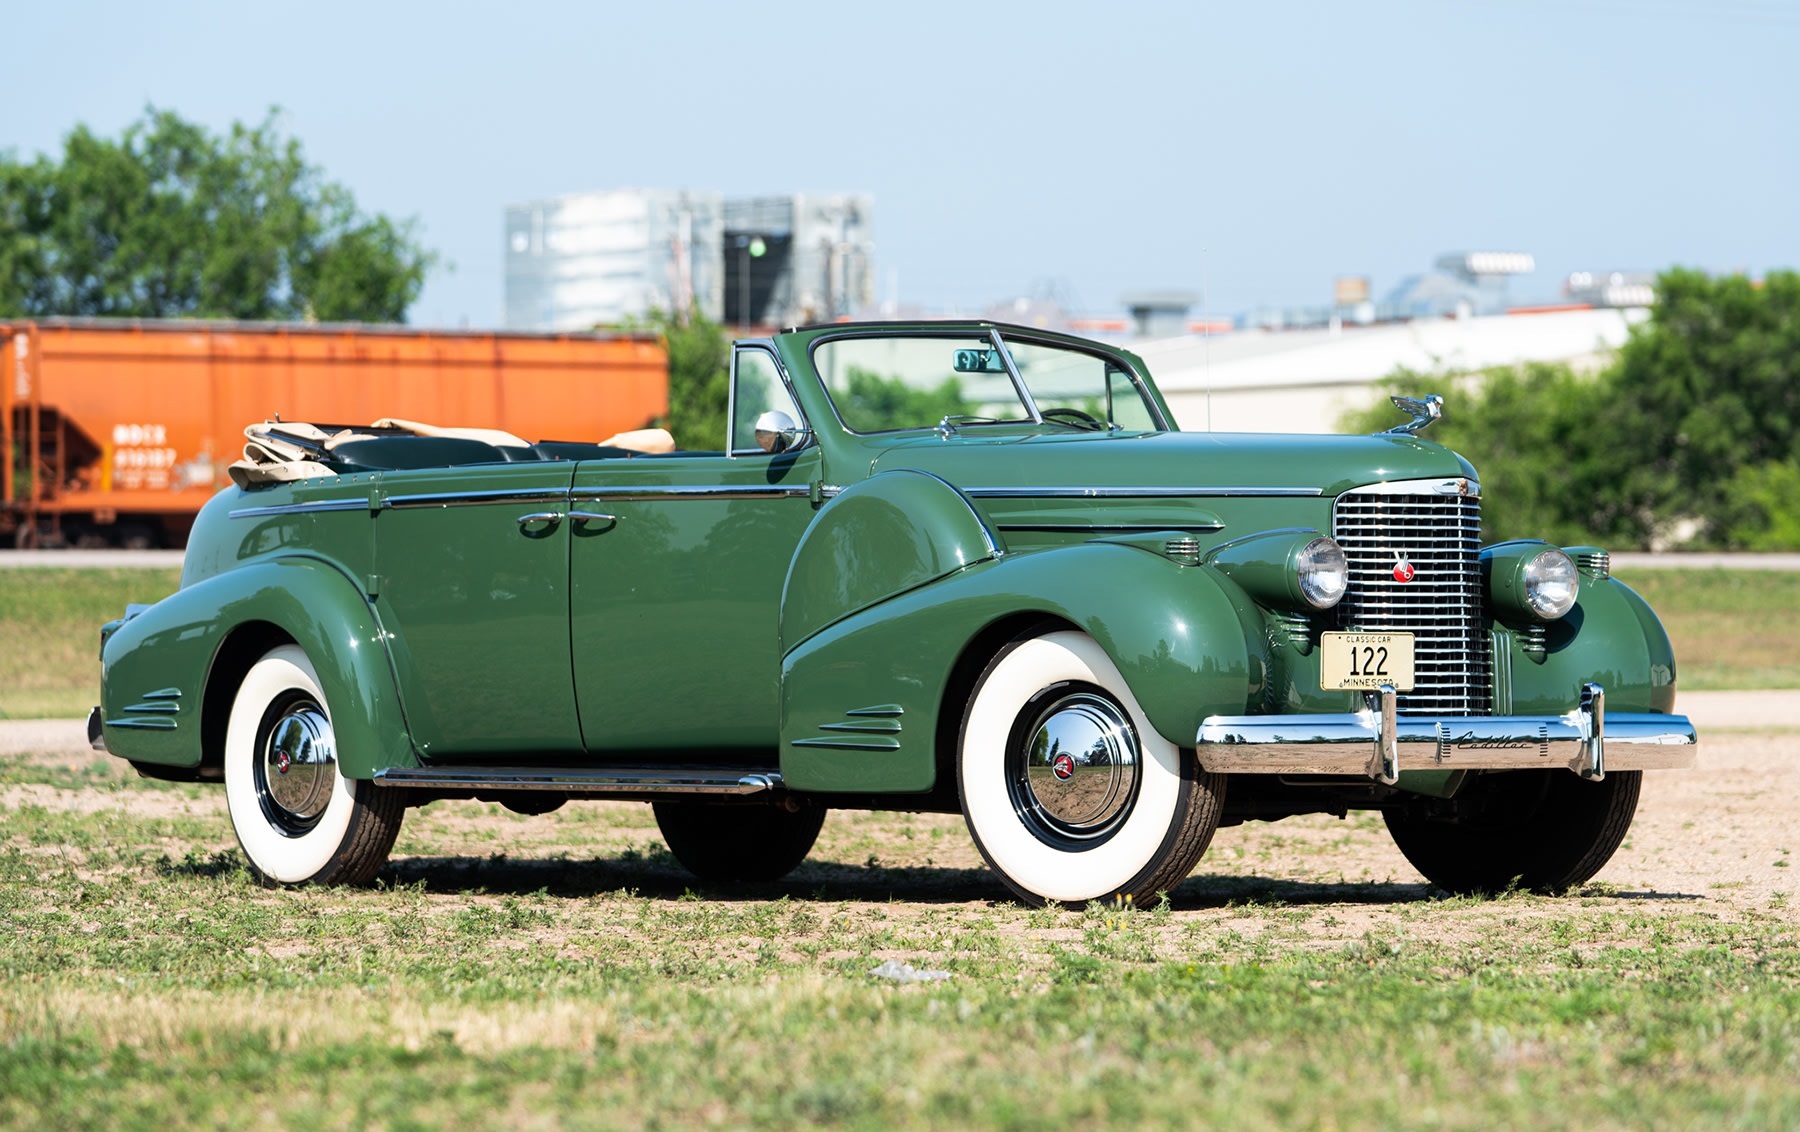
(1067, 790)
(1546, 830)
(298, 819)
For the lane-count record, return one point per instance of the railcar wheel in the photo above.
(738, 842)
(1068, 791)
(297, 818)
(1547, 829)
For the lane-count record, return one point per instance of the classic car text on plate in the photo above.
(1365, 660)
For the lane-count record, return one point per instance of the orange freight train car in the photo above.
(117, 431)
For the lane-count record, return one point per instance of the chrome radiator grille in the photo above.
(1440, 536)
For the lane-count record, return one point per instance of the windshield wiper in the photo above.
(947, 427)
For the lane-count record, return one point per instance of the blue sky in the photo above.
(1262, 148)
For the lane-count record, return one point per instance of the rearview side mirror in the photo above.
(776, 432)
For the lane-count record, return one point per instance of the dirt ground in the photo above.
(1717, 841)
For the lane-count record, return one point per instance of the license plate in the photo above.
(1365, 661)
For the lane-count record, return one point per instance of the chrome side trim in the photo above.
(1143, 492)
(588, 780)
(473, 498)
(1110, 528)
(145, 723)
(704, 491)
(871, 744)
(1347, 743)
(360, 504)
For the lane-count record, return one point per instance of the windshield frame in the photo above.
(994, 334)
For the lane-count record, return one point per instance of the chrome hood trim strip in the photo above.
(1140, 492)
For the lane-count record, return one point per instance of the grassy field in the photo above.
(558, 972)
(50, 634)
(1731, 628)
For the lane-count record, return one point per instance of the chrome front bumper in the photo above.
(1380, 744)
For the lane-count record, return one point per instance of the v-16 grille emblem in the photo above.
(1403, 569)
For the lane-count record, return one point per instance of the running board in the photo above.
(587, 780)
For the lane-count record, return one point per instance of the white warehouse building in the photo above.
(1304, 380)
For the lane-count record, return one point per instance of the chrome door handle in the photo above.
(551, 517)
(592, 517)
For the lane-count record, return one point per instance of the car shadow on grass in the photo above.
(658, 878)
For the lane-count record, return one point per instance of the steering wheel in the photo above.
(1075, 417)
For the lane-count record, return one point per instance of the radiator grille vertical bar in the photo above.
(1440, 536)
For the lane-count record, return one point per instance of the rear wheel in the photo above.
(738, 842)
(298, 819)
(1068, 791)
(1548, 830)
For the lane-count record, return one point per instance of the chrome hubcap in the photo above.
(1080, 768)
(298, 767)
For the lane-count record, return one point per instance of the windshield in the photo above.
(880, 384)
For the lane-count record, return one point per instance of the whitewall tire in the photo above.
(1068, 791)
(297, 818)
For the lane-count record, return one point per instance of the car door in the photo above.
(675, 591)
(472, 585)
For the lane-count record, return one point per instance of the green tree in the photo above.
(172, 221)
(1710, 386)
(699, 380)
(872, 403)
(1695, 426)
(1522, 428)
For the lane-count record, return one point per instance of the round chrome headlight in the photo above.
(1550, 583)
(1324, 573)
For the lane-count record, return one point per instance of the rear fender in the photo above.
(862, 700)
(170, 673)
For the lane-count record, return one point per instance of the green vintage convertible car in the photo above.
(957, 567)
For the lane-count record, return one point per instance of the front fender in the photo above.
(170, 673)
(1610, 637)
(861, 699)
(888, 534)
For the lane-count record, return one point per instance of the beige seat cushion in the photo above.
(642, 440)
(492, 436)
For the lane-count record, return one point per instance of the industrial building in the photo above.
(597, 259)
(601, 258)
(798, 259)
